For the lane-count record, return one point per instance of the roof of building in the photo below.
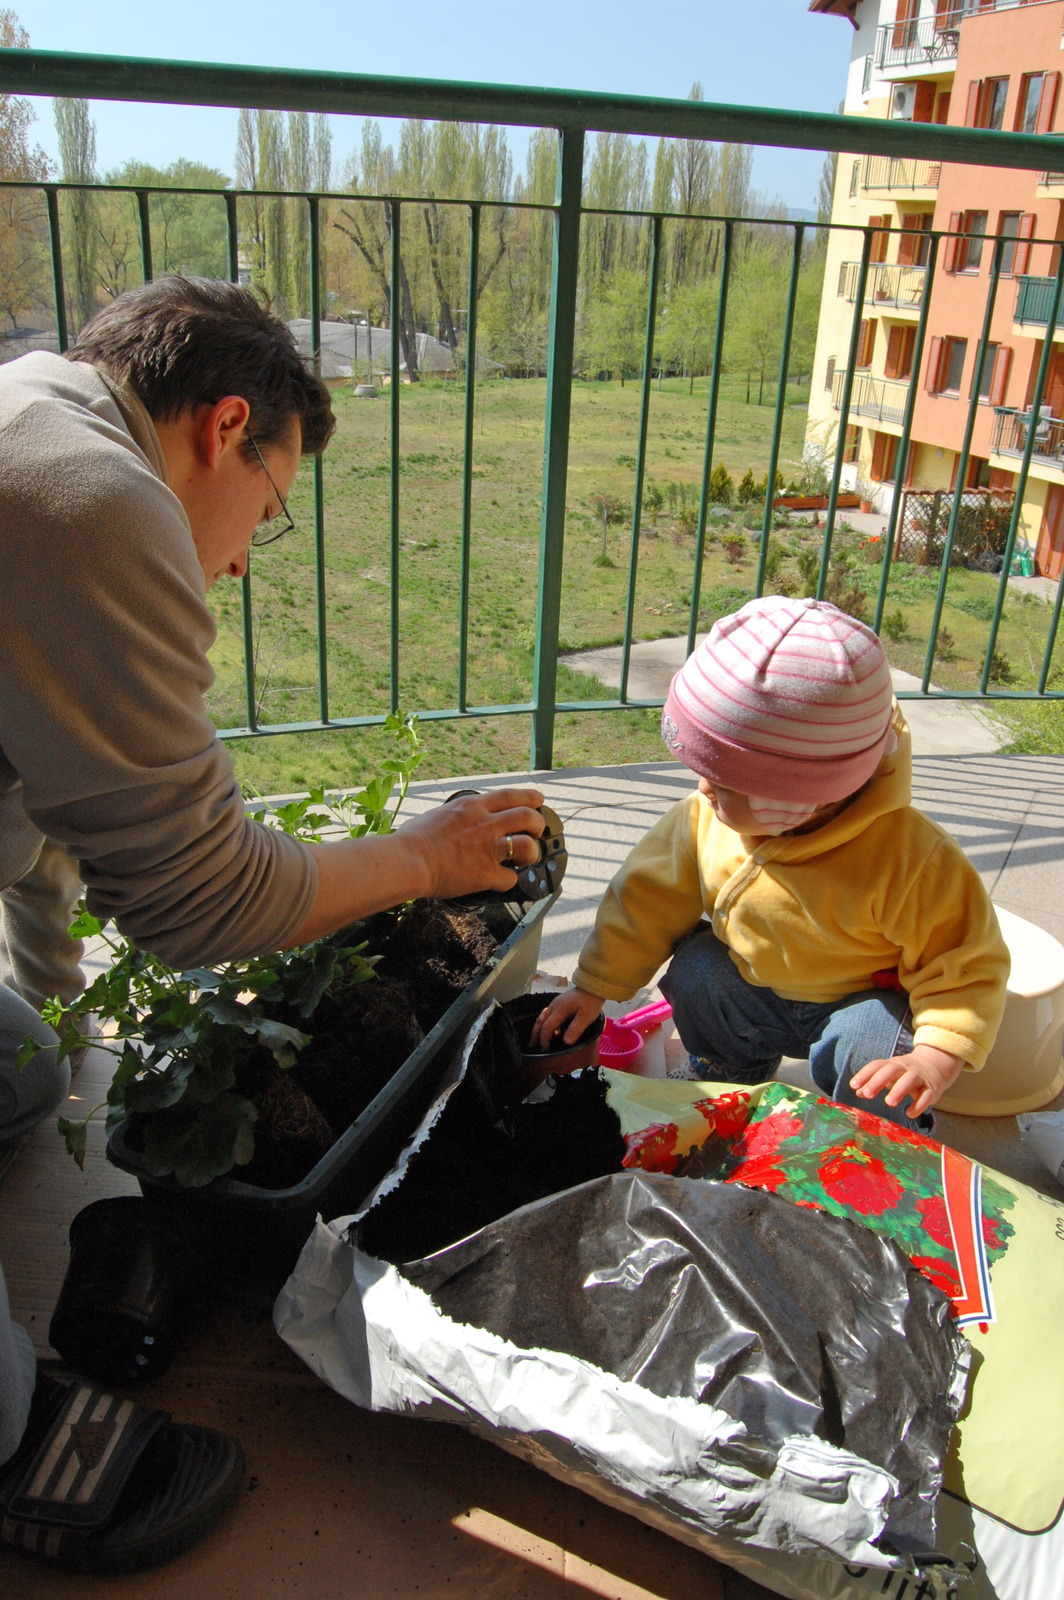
(837, 8)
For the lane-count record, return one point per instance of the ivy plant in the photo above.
(179, 1037)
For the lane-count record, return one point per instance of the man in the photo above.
(134, 474)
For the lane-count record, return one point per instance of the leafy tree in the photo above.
(23, 219)
(297, 166)
(721, 485)
(689, 328)
(77, 152)
(616, 329)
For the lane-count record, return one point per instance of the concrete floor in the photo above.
(340, 1503)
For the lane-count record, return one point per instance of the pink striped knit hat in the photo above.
(789, 700)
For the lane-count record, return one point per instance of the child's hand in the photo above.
(925, 1073)
(575, 1007)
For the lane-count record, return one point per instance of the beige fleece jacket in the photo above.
(814, 916)
(105, 743)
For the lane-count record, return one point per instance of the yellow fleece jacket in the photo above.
(813, 916)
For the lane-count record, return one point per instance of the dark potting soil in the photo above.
(291, 1135)
(360, 1040)
(437, 950)
(485, 1157)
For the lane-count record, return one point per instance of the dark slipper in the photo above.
(100, 1484)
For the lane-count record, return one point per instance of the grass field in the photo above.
(508, 461)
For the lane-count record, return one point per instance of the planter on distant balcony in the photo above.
(814, 502)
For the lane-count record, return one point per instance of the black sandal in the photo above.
(103, 1485)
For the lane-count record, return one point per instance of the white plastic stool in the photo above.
(1024, 1071)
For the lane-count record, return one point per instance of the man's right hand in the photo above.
(576, 1008)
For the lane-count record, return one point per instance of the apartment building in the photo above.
(979, 63)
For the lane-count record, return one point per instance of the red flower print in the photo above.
(653, 1148)
(879, 1128)
(943, 1274)
(859, 1181)
(727, 1114)
(993, 1235)
(935, 1219)
(759, 1174)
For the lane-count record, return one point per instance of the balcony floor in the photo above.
(339, 1502)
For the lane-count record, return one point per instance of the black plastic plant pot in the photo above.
(130, 1284)
(257, 1233)
(562, 1058)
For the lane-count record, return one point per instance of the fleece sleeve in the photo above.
(651, 902)
(103, 670)
(953, 959)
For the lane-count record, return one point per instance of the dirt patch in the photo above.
(360, 1040)
(291, 1135)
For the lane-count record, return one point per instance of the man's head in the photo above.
(218, 374)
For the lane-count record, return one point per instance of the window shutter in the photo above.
(905, 359)
(829, 375)
(909, 243)
(942, 108)
(903, 18)
(924, 109)
(951, 246)
(999, 380)
(895, 347)
(1021, 259)
(1047, 102)
(971, 115)
(866, 342)
(879, 444)
(934, 361)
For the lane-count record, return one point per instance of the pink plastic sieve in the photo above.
(622, 1037)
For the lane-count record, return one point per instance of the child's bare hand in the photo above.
(575, 1007)
(925, 1074)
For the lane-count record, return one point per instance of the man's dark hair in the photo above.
(181, 343)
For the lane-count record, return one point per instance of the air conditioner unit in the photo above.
(903, 102)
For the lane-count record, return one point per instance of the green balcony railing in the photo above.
(572, 115)
(1034, 301)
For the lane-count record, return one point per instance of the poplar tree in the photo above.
(77, 154)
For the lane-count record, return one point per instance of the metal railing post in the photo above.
(565, 267)
(394, 312)
(58, 292)
(319, 468)
(144, 220)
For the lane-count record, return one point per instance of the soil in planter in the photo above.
(360, 1039)
(477, 1164)
(291, 1135)
(437, 949)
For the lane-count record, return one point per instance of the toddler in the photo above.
(809, 910)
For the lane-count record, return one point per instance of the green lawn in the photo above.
(508, 471)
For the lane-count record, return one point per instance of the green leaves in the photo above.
(200, 1143)
(74, 1137)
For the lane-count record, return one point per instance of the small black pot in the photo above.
(536, 1065)
(131, 1281)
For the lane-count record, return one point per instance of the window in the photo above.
(986, 102)
(900, 344)
(945, 366)
(866, 342)
(851, 448)
(970, 248)
(986, 377)
(829, 375)
(1037, 102)
(884, 457)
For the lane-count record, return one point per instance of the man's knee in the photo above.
(35, 1091)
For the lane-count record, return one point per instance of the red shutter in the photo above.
(971, 116)
(1021, 257)
(952, 245)
(924, 109)
(934, 361)
(1047, 102)
(904, 17)
(879, 450)
(905, 360)
(999, 378)
(895, 347)
(878, 251)
(909, 243)
(942, 108)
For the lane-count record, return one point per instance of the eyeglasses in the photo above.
(266, 533)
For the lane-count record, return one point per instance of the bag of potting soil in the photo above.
(659, 1341)
(995, 1246)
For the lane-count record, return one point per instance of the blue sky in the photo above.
(754, 52)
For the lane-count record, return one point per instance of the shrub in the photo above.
(1000, 668)
(653, 500)
(895, 626)
(843, 590)
(608, 509)
(625, 460)
(747, 492)
(945, 645)
(721, 485)
(733, 550)
(809, 569)
(687, 520)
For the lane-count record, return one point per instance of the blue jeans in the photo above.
(738, 1031)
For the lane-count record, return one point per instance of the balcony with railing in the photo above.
(876, 399)
(1012, 429)
(1034, 302)
(900, 288)
(920, 43)
(885, 174)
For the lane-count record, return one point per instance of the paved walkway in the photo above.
(340, 1502)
